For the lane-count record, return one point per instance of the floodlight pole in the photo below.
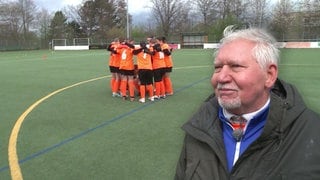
(128, 34)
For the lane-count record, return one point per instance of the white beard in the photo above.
(230, 104)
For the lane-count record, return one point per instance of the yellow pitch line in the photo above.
(15, 169)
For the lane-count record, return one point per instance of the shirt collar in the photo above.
(247, 116)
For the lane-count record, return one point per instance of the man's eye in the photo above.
(217, 68)
(237, 66)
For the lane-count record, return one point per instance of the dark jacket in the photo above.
(288, 148)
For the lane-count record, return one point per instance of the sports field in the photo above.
(59, 120)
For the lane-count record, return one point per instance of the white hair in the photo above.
(265, 52)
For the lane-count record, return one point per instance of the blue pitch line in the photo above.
(46, 150)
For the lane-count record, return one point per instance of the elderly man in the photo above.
(254, 126)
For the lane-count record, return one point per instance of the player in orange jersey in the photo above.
(127, 69)
(136, 79)
(159, 67)
(145, 70)
(166, 49)
(114, 67)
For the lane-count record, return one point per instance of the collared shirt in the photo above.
(248, 116)
(252, 130)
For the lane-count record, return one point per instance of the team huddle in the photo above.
(150, 74)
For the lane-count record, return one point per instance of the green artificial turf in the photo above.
(83, 132)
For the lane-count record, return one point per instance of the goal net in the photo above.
(58, 42)
(81, 41)
(75, 44)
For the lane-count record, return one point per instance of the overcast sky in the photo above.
(54, 5)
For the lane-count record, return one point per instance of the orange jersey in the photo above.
(117, 56)
(126, 62)
(112, 55)
(111, 59)
(158, 60)
(144, 61)
(167, 59)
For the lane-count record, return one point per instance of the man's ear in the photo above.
(272, 75)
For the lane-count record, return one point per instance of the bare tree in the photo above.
(207, 9)
(180, 23)
(231, 7)
(258, 12)
(27, 10)
(121, 13)
(310, 19)
(72, 12)
(10, 22)
(43, 20)
(168, 13)
(283, 18)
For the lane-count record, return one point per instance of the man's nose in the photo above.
(224, 74)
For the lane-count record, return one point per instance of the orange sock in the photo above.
(115, 86)
(112, 80)
(168, 85)
(131, 88)
(158, 88)
(142, 91)
(123, 87)
(136, 85)
(162, 89)
(150, 90)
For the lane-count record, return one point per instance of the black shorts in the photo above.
(145, 76)
(127, 72)
(114, 69)
(158, 74)
(168, 69)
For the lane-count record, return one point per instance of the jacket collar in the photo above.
(206, 126)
